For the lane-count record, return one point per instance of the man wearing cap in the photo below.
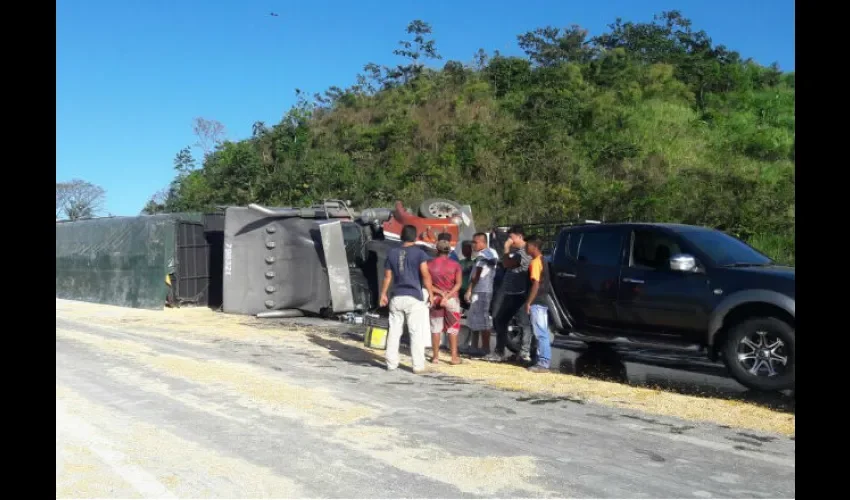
(447, 278)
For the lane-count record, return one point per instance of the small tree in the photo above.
(157, 203)
(420, 47)
(78, 199)
(210, 134)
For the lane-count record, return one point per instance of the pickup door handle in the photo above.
(632, 280)
(566, 275)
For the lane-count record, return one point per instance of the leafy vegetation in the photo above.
(648, 121)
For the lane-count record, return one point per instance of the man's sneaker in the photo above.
(525, 358)
(420, 371)
(538, 369)
(494, 357)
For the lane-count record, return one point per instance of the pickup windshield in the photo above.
(725, 250)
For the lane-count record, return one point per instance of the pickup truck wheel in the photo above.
(759, 353)
(515, 340)
(514, 343)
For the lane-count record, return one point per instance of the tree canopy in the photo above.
(78, 199)
(647, 121)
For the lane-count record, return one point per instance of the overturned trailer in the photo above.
(324, 260)
(140, 262)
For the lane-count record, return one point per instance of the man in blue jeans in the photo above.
(535, 304)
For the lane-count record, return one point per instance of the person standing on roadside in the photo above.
(405, 276)
(447, 278)
(479, 293)
(514, 290)
(465, 249)
(536, 306)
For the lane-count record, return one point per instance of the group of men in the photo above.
(423, 292)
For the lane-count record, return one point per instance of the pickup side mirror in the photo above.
(683, 263)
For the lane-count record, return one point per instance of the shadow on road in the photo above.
(353, 354)
(686, 374)
(693, 380)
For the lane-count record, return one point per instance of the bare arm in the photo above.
(473, 281)
(388, 279)
(426, 279)
(385, 286)
(476, 275)
(458, 281)
(535, 270)
(532, 294)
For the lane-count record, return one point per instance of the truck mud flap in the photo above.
(336, 262)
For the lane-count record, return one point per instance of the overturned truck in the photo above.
(324, 260)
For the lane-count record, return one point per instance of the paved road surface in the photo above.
(149, 408)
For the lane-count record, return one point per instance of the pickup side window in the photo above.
(600, 248)
(651, 250)
(567, 247)
(573, 242)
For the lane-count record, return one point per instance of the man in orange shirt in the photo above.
(535, 304)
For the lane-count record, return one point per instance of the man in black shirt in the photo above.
(514, 289)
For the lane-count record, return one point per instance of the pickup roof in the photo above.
(674, 286)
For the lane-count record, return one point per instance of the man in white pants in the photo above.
(405, 276)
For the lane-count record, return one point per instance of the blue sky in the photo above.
(132, 74)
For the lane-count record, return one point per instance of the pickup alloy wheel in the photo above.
(515, 333)
(759, 353)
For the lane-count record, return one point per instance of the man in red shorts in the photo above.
(446, 278)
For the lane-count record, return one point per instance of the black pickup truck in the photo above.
(670, 286)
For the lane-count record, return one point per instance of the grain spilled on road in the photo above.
(186, 468)
(487, 476)
(203, 324)
(157, 386)
(253, 387)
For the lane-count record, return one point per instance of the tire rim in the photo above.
(442, 210)
(763, 354)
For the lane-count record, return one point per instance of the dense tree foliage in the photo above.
(648, 121)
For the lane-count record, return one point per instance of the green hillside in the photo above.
(649, 121)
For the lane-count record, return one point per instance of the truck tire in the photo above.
(760, 354)
(514, 343)
(439, 208)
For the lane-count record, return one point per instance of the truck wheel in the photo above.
(438, 208)
(759, 353)
(515, 340)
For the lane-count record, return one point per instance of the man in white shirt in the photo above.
(479, 293)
